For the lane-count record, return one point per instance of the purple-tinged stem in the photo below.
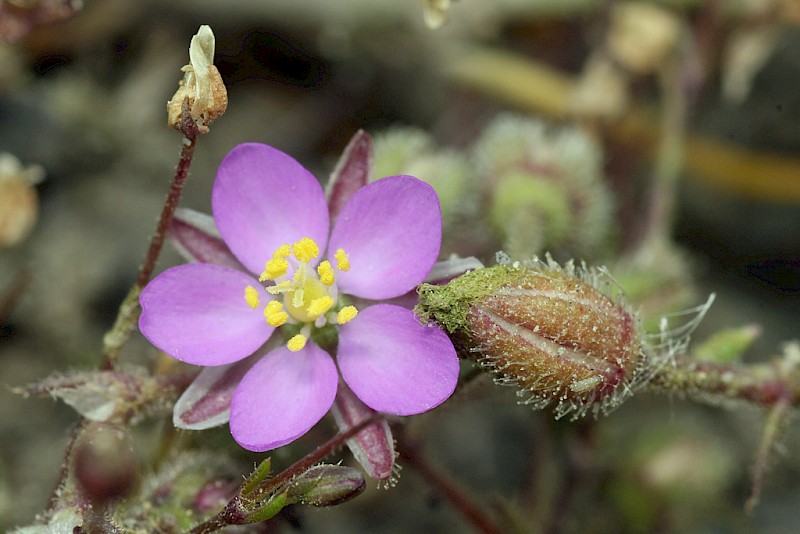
(449, 489)
(130, 309)
(228, 515)
(9, 298)
(762, 384)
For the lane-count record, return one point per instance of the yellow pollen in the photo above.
(273, 306)
(325, 272)
(274, 313)
(342, 260)
(346, 314)
(251, 297)
(305, 249)
(283, 251)
(319, 306)
(275, 268)
(277, 319)
(296, 343)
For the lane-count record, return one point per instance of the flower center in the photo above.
(309, 297)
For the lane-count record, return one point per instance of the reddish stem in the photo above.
(229, 516)
(458, 498)
(763, 384)
(129, 310)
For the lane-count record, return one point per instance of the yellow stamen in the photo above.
(325, 272)
(277, 319)
(251, 297)
(342, 260)
(305, 249)
(296, 343)
(275, 268)
(274, 313)
(283, 251)
(273, 306)
(346, 314)
(319, 306)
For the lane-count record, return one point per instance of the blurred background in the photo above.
(83, 89)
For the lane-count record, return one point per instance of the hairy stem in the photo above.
(229, 516)
(761, 384)
(130, 309)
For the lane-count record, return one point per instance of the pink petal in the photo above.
(392, 230)
(197, 313)
(196, 238)
(373, 447)
(352, 172)
(393, 363)
(282, 397)
(206, 403)
(263, 198)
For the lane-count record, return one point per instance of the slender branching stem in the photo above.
(458, 498)
(129, 310)
(228, 516)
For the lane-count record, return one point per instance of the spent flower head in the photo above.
(202, 87)
(312, 286)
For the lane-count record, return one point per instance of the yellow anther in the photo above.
(282, 252)
(296, 343)
(325, 272)
(342, 260)
(305, 249)
(320, 305)
(251, 296)
(275, 268)
(274, 313)
(273, 306)
(277, 319)
(346, 314)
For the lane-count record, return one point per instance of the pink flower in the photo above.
(272, 214)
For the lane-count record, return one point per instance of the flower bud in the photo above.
(327, 485)
(553, 332)
(642, 35)
(545, 187)
(104, 464)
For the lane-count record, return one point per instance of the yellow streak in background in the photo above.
(535, 87)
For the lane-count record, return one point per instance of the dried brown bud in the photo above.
(642, 35)
(556, 333)
(202, 86)
(435, 12)
(19, 203)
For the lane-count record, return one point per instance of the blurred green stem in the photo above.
(669, 161)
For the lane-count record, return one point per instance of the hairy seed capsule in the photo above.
(551, 331)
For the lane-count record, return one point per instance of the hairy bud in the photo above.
(555, 333)
(327, 485)
(104, 464)
(545, 187)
